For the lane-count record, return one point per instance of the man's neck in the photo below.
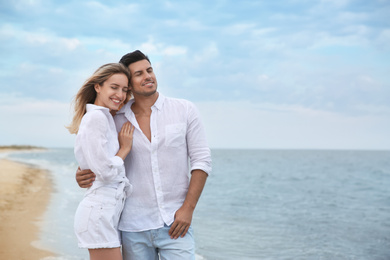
(143, 104)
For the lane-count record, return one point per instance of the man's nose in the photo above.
(147, 75)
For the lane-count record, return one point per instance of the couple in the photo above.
(142, 170)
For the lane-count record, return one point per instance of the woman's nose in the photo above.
(120, 94)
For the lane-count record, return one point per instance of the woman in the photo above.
(99, 147)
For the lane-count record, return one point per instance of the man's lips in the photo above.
(148, 84)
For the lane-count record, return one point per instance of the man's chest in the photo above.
(144, 124)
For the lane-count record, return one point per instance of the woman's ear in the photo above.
(97, 88)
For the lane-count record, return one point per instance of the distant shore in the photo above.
(24, 195)
(14, 148)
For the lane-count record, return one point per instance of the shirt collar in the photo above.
(91, 107)
(159, 102)
(126, 109)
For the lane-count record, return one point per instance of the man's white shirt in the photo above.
(159, 170)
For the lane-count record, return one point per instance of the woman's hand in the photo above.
(125, 138)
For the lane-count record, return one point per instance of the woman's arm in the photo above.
(85, 178)
(93, 145)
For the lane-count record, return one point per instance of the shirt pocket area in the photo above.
(175, 135)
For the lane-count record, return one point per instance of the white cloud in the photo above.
(107, 11)
(334, 3)
(295, 60)
(159, 49)
(383, 39)
(239, 29)
(261, 32)
(38, 39)
(22, 4)
(34, 38)
(208, 53)
(105, 44)
(175, 50)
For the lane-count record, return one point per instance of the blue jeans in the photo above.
(152, 244)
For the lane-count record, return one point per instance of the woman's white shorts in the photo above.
(97, 216)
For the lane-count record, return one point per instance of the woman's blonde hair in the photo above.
(87, 93)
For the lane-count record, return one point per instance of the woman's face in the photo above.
(113, 92)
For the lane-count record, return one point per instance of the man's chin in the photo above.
(150, 93)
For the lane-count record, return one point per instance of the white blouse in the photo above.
(96, 148)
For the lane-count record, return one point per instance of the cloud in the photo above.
(382, 40)
(329, 56)
(240, 28)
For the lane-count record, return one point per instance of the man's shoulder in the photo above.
(178, 101)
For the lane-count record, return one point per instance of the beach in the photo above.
(24, 195)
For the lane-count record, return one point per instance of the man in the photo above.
(156, 220)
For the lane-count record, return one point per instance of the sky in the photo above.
(288, 74)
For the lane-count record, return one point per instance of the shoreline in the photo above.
(24, 196)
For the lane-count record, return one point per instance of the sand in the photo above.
(24, 195)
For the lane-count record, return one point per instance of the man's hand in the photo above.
(183, 216)
(183, 219)
(85, 178)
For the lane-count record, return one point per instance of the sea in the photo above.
(257, 204)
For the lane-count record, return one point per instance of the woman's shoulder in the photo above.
(94, 115)
(96, 119)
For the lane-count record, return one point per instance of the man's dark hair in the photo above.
(133, 57)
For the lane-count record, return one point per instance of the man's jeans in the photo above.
(151, 244)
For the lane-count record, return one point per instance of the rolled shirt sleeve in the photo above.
(198, 149)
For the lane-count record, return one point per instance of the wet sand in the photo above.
(24, 195)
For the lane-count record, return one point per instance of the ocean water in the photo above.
(258, 204)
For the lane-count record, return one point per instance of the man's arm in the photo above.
(183, 216)
(85, 178)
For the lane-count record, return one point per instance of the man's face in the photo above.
(143, 80)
